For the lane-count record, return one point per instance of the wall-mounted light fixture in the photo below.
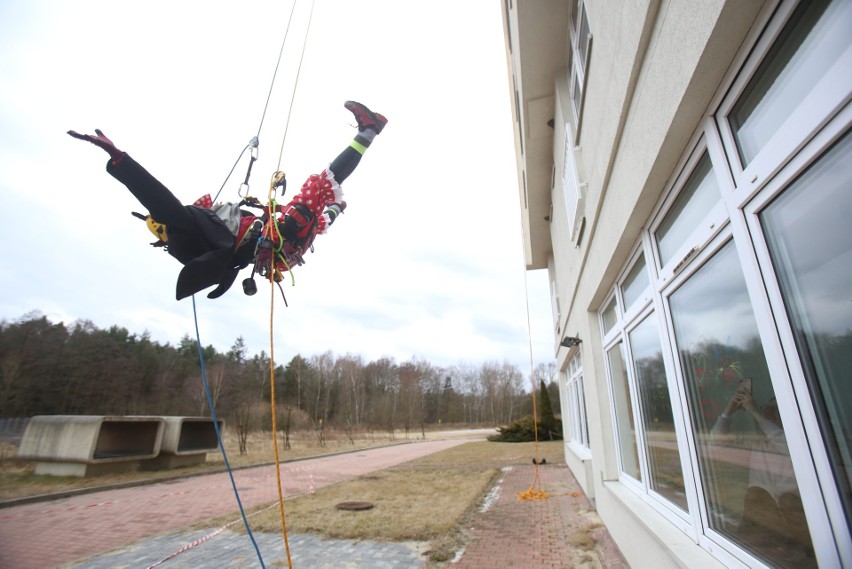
(570, 342)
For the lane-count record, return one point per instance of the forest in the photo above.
(79, 369)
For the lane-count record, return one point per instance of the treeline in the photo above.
(48, 369)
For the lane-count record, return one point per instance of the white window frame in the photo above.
(573, 189)
(788, 350)
(828, 96)
(577, 428)
(554, 301)
(822, 118)
(646, 297)
(709, 226)
(620, 333)
(579, 65)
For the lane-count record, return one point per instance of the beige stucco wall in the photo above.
(655, 67)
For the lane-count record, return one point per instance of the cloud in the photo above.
(426, 261)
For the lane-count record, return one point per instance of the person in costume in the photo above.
(215, 242)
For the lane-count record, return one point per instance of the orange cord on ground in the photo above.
(535, 491)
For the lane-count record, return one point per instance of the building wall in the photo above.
(656, 72)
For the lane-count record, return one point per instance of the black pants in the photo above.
(192, 231)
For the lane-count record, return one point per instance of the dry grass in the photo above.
(428, 499)
(18, 479)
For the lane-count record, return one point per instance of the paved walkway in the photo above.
(141, 527)
(554, 533)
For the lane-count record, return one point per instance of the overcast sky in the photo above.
(427, 260)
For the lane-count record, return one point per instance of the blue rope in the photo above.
(219, 435)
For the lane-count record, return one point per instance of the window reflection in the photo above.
(815, 272)
(666, 474)
(814, 38)
(635, 283)
(624, 413)
(609, 316)
(696, 199)
(744, 463)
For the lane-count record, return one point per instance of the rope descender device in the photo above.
(263, 232)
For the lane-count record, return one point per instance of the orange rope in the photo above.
(533, 493)
(273, 220)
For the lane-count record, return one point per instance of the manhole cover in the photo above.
(354, 506)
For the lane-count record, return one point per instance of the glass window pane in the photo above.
(699, 195)
(623, 413)
(578, 6)
(582, 38)
(635, 283)
(744, 463)
(584, 424)
(814, 38)
(576, 91)
(665, 472)
(609, 316)
(815, 272)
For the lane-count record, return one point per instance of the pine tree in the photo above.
(546, 419)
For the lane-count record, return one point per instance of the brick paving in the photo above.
(48, 534)
(146, 525)
(558, 532)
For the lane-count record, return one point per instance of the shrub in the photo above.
(520, 431)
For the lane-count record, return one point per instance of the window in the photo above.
(695, 200)
(647, 440)
(727, 336)
(609, 316)
(627, 448)
(571, 186)
(813, 269)
(664, 467)
(554, 303)
(744, 463)
(814, 38)
(578, 430)
(581, 41)
(635, 284)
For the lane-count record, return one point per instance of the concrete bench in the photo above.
(186, 441)
(88, 445)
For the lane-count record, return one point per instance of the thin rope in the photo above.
(275, 73)
(271, 274)
(274, 424)
(295, 84)
(255, 142)
(219, 435)
(532, 493)
(228, 177)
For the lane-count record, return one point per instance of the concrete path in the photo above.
(50, 534)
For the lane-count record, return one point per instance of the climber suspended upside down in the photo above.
(214, 243)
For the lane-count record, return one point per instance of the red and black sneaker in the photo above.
(366, 118)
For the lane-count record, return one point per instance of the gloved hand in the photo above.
(100, 140)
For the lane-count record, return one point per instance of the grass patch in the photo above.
(428, 499)
(416, 506)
